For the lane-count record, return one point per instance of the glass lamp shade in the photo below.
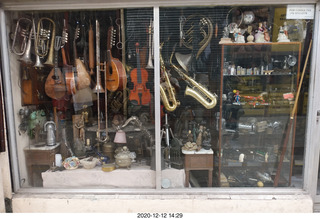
(120, 137)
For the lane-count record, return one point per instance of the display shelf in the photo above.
(257, 92)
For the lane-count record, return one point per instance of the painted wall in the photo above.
(25, 203)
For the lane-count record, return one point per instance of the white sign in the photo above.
(300, 12)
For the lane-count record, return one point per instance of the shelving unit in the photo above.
(258, 85)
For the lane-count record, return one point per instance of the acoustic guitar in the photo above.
(139, 95)
(116, 77)
(55, 86)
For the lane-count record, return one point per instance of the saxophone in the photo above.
(197, 90)
(169, 100)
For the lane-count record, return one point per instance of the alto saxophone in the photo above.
(197, 90)
(168, 98)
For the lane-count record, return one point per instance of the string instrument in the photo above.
(116, 78)
(82, 77)
(67, 69)
(139, 95)
(55, 86)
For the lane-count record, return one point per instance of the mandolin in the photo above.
(116, 78)
(55, 86)
(67, 69)
(139, 95)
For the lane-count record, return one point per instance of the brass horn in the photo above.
(206, 31)
(197, 90)
(23, 30)
(44, 42)
(167, 92)
(183, 60)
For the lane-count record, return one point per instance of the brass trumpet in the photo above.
(198, 91)
(23, 30)
(45, 40)
(167, 92)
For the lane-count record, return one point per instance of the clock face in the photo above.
(292, 60)
(248, 17)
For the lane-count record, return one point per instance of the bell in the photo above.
(183, 60)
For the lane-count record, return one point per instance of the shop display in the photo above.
(227, 86)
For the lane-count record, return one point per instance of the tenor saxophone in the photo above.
(197, 90)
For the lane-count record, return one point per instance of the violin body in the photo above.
(139, 95)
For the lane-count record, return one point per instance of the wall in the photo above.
(25, 203)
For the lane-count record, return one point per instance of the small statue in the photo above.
(285, 29)
(206, 143)
(259, 36)
(250, 37)
(199, 138)
(239, 38)
(190, 136)
(282, 36)
(236, 97)
(80, 127)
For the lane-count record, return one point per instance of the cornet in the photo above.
(25, 46)
(45, 40)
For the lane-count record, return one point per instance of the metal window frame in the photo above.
(311, 158)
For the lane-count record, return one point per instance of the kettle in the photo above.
(50, 127)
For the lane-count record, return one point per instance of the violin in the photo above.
(139, 95)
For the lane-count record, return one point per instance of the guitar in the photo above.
(139, 95)
(55, 86)
(82, 77)
(116, 77)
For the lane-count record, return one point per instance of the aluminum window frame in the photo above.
(311, 158)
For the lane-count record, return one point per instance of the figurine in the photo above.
(199, 138)
(266, 32)
(239, 38)
(282, 36)
(259, 36)
(250, 37)
(236, 97)
(225, 36)
(206, 143)
(190, 136)
(285, 29)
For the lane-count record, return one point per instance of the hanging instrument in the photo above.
(150, 45)
(139, 95)
(167, 91)
(83, 79)
(197, 90)
(44, 43)
(67, 69)
(206, 30)
(116, 78)
(55, 86)
(23, 31)
(91, 50)
(98, 88)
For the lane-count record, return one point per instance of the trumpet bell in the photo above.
(184, 60)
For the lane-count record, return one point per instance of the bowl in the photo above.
(89, 163)
(71, 163)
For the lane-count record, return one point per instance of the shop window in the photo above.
(234, 76)
(84, 93)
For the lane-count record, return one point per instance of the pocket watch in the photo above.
(292, 60)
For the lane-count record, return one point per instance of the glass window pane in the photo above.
(230, 79)
(85, 108)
